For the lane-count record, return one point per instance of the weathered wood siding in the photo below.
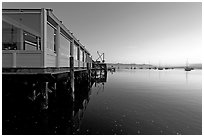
(64, 61)
(51, 59)
(85, 64)
(7, 59)
(81, 64)
(31, 59)
(76, 64)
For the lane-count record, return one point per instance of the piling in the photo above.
(45, 95)
(72, 68)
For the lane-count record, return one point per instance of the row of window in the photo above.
(12, 37)
(64, 43)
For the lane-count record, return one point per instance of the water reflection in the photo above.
(147, 102)
(135, 102)
(23, 114)
(186, 77)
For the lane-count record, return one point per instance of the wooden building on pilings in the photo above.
(35, 38)
(37, 46)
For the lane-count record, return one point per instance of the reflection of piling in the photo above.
(186, 77)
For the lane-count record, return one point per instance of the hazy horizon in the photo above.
(168, 33)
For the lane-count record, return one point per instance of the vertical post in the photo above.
(33, 91)
(72, 67)
(103, 58)
(44, 34)
(58, 46)
(84, 59)
(45, 96)
(14, 59)
(82, 54)
(87, 66)
(20, 39)
(78, 53)
(55, 88)
(38, 43)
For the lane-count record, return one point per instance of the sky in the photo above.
(133, 32)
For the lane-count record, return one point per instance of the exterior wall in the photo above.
(76, 64)
(42, 51)
(50, 59)
(19, 58)
(64, 52)
(81, 64)
(85, 64)
(89, 61)
(7, 59)
(64, 61)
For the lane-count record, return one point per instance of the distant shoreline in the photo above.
(144, 66)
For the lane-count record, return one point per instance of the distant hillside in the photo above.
(195, 66)
(198, 66)
(129, 66)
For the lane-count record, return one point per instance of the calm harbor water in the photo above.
(149, 102)
(146, 102)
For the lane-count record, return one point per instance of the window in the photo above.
(64, 45)
(51, 38)
(31, 42)
(76, 52)
(9, 37)
(81, 55)
(84, 59)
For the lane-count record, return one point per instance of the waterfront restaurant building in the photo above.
(35, 38)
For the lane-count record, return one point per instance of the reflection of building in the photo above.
(35, 38)
(26, 116)
(64, 115)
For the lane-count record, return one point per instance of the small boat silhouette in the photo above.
(160, 68)
(187, 68)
